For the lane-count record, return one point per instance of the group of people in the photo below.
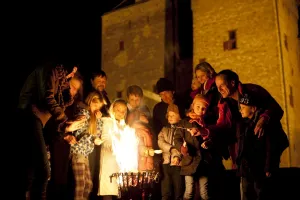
(220, 118)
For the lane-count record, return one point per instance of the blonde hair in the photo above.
(93, 97)
(201, 98)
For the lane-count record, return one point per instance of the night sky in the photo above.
(39, 32)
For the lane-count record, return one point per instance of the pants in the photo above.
(253, 188)
(172, 183)
(190, 185)
(38, 169)
(82, 176)
(94, 162)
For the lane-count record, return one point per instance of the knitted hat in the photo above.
(164, 84)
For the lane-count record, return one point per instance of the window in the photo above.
(231, 43)
(291, 97)
(286, 42)
(121, 46)
(201, 60)
(119, 94)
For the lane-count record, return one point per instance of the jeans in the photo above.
(172, 183)
(190, 184)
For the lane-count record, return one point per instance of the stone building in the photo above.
(140, 45)
(259, 40)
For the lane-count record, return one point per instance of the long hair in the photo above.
(207, 68)
(93, 97)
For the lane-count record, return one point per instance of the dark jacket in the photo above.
(259, 155)
(191, 161)
(47, 88)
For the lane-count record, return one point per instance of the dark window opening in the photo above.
(121, 46)
(231, 43)
(286, 42)
(201, 60)
(119, 94)
(291, 97)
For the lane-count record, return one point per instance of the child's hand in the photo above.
(184, 150)
(193, 131)
(204, 145)
(98, 114)
(98, 141)
(70, 139)
(151, 152)
(175, 161)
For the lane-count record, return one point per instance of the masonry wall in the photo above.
(257, 58)
(141, 27)
(287, 15)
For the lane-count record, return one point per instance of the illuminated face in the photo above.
(75, 85)
(201, 76)
(166, 96)
(195, 84)
(120, 111)
(95, 104)
(134, 101)
(224, 88)
(247, 111)
(173, 117)
(99, 83)
(199, 107)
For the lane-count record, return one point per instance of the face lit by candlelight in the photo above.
(120, 111)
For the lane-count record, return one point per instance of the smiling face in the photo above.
(199, 107)
(201, 76)
(226, 89)
(166, 96)
(99, 83)
(75, 85)
(134, 101)
(120, 111)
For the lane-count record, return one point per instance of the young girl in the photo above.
(193, 149)
(108, 188)
(86, 137)
(195, 86)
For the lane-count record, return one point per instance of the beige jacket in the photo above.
(166, 142)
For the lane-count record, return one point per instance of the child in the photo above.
(256, 158)
(139, 121)
(108, 188)
(171, 157)
(195, 86)
(86, 137)
(195, 156)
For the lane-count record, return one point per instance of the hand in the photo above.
(174, 151)
(258, 130)
(98, 141)
(184, 150)
(204, 145)
(193, 131)
(175, 161)
(75, 125)
(98, 114)
(104, 137)
(151, 152)
(192, 115)
(268, 174)
(70, 139)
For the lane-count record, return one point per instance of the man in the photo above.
(46, 93)
(232, 90)
(98, 82)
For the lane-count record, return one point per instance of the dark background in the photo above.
(37, 33)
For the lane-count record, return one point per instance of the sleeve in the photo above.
(179, 139)
(162, 144)
(52, 84)
(268, 103)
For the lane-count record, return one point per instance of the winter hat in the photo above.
(164, 84)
